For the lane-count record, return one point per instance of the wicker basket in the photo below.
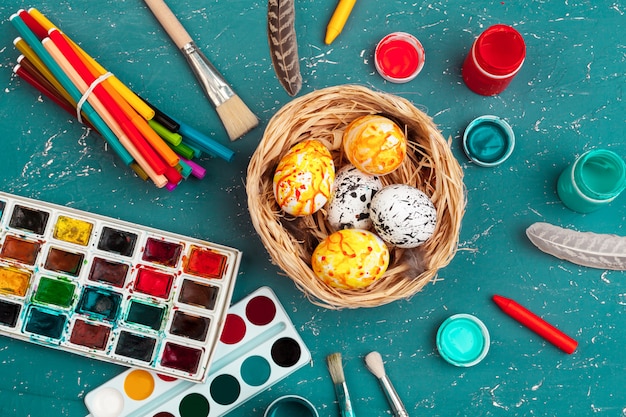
(429, 166)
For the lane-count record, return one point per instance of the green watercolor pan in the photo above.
(112, 290)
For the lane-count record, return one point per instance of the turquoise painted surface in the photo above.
(568, 98)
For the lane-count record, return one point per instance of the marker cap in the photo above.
(463, 340)
(488, 141)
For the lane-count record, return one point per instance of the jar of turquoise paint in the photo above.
(594, 180)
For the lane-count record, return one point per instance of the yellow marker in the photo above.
(138, 104)
(338, 20)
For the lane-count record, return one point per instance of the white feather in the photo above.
(602, 251)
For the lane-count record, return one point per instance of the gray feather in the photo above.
(281, 34)
(602, 251)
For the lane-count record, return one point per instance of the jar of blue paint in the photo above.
(488, 141)
(594, 180)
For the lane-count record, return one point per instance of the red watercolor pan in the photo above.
(258, 347)
(112, 290)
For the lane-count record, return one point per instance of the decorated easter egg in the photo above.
(352, 192)
(374, 144)
(350, 259)
(303, 178)
(403, 215)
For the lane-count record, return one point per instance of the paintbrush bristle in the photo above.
(374, 363)
(335, 367)
(237, 118)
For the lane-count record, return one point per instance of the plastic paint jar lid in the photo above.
(500, 51)
(488, 141)
(463, 340)
(289, 406)
(494, 60)
(594, 180)
(399, 57)
(600, 174)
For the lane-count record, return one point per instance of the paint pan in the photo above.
(258, 347)
(112, 290)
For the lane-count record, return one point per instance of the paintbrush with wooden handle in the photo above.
(235, 115)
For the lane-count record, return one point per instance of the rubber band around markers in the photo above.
(88, 92)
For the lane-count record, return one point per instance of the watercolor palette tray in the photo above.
(112, 290)
(258, 347)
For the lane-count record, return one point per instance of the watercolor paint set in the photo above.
(112, 290)
(258, 347)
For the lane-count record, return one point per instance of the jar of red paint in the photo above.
(399, 57)
(494, 60)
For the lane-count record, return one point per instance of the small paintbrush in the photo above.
(374, 363)
(235, 115)
(335, 367)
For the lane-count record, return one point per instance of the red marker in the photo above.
(536, 324)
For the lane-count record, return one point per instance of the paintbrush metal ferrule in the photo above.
(393, 397)
(212, 82)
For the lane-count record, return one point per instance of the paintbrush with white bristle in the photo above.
(235, 115)
(335, 367)
(374, 363)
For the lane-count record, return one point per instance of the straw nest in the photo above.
(429, 166)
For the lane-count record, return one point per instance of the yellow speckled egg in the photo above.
(374, 144)
(350, 259)
(303, 178)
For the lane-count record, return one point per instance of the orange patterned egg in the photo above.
(303, 178)
(374, 144)
(350, 259)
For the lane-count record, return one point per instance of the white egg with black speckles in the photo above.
(349, 206)
(403, 215)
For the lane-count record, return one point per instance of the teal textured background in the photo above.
(568, 98)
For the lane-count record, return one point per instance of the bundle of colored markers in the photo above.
(156, 146)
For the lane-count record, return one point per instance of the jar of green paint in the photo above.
(594, 180)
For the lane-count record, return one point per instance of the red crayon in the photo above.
(536, 324)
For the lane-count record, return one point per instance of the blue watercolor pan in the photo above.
(112, 290)
(258, 347)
